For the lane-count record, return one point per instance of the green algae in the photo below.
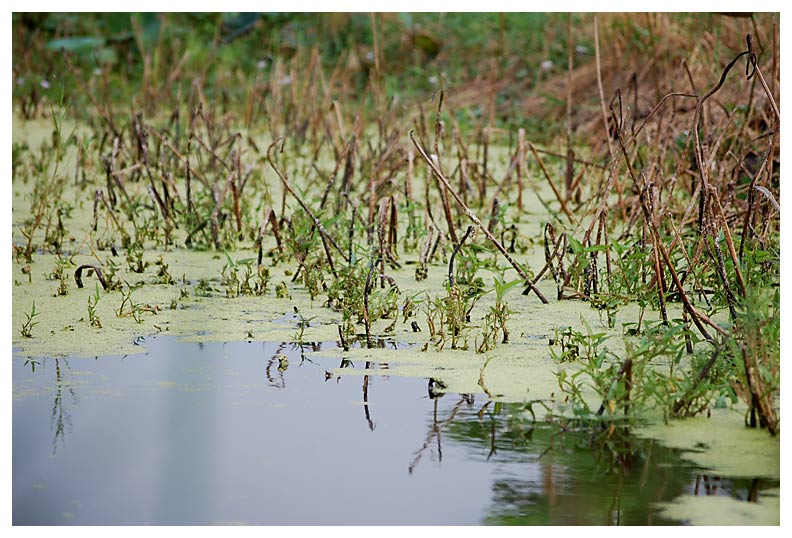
(721, 443)
(720, 510)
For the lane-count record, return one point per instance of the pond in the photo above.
(266, 433)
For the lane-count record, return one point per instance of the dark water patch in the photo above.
(245, 432)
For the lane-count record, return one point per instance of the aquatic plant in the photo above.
(93, 318)
(27, 326)
(496, 319)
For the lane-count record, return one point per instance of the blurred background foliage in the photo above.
(418, 52)
(507, 69)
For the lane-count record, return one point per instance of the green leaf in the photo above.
(502, 287)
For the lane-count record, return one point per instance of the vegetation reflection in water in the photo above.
(284, 432)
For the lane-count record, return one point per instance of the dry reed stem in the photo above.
(570, 69)
(326, 237)
(599, 87)
(521, 162)
(439, 175)
(440, 187)
(547, 176)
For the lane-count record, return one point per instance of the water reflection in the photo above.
(366, 410)
(59, 418)
(253, 433)
(277, 380)
(584, 473)
(59, 415)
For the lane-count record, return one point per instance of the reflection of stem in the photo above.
(58, 417)
(434, 425)
(645, 470)
(277, 383)
(365, 399)
(753, 492)
(616, 504)
(484, 407)
(548, 483)
(435, 432)
(493, 450)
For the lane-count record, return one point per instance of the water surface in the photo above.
(186, 433)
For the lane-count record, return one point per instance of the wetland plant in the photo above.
(496, 319)
(59, 273)
(27, 326)
(93, 318)
(129, 307)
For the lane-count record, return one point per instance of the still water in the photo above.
(197, 434)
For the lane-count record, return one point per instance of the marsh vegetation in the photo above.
(587, 235)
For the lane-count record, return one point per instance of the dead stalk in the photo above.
(454, 253)
(601, 92)
(439, 175)
(319, 226)
(547, 176)
(96, 269)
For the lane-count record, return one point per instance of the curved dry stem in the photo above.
(96, 269)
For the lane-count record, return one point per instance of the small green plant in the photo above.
(282, 290)
(163, 276)
(239, 277)
(61, 274)
(229, 277)
(495, 320)
(111, 273)
(302, 324)
(449, 316)
(128, 307)
(345, 295)
(262, 280)
(93, 318)
(312, 279)
(184, 293)
(27, 326)
(134, 257)
(203, 288)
